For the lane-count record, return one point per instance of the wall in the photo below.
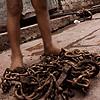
(27, 8)
(3, 12)
(77, 4)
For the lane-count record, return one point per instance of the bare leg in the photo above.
(43, 19)
(14, 10)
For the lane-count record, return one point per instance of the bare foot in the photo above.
(16, 62)
(52, 50)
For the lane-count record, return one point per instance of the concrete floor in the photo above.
(83, 36)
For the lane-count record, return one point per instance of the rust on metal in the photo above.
(53, 78)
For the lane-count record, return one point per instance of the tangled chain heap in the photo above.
(55, 77)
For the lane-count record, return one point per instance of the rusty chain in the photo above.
(55, 77)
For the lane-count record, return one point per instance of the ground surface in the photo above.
(84, 36)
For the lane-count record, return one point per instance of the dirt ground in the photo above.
(83, 36)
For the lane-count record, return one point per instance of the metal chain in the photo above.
(55, 77)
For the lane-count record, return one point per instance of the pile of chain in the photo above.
(55, 77)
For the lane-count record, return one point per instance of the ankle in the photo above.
(52, 49)
(48, 46)
(16, 56)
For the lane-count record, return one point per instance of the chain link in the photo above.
(53, 78)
